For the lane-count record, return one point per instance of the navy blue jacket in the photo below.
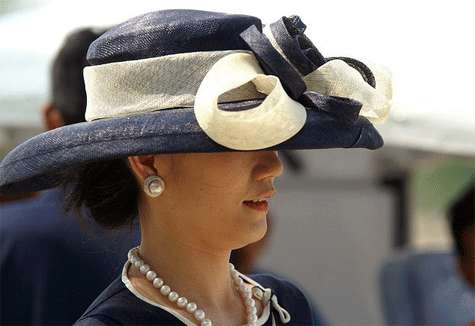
(117, 305)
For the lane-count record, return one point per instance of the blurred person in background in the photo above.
(435, 288)
(51, 266)
(453, 300)
(462, 227)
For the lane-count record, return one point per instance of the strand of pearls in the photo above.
(183, 303)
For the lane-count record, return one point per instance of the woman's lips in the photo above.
(262, 206)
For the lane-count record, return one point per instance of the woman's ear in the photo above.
(143, 166)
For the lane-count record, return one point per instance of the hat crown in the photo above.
(168, 32)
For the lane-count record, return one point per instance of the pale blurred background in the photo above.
(338, 213)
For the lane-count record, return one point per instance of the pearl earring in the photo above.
(154, 185)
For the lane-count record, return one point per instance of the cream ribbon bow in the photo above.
(279, 117)
(272, 122)
(337, 78)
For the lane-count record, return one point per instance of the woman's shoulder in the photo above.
(288, 296)
(116, 305)
(277, 283)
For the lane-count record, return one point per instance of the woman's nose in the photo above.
(270, 165)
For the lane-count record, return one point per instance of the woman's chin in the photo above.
(257, 230)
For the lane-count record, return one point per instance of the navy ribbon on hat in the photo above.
(272, 62)
(289, 34)
(304, 56)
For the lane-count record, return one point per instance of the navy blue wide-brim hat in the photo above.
(177, 81)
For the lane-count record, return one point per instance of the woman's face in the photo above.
(205, 193)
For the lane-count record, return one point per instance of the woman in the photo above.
(157, 147)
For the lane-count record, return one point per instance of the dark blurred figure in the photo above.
(435, 288)
(49, 261)
(8, 198)
(462, 226)
(245, 260)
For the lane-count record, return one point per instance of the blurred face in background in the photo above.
(468, 258)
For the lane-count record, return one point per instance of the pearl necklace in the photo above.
(184, 303)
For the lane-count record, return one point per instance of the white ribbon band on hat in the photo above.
(200, 79)
(130, 87)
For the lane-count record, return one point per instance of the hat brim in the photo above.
(34, 164)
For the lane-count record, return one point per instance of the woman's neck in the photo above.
(201, 276)
(195, 272)
(191, 265)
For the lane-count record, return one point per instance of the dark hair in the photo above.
(107, 190)
(462, 216)
(68, 93)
